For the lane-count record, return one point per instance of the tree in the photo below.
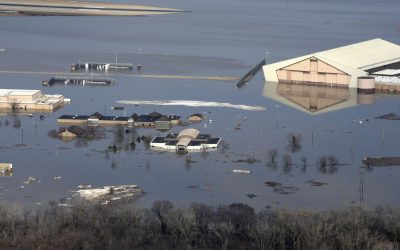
(272, 155)
(287, 164)
(294, 142)
(160, 209)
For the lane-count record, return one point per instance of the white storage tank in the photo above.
(366, 84)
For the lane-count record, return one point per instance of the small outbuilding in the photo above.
(6, 169)
(196, 118)
(71, 132)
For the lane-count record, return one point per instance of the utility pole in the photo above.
(116, 57)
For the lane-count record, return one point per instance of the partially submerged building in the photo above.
(340, 67)
(73, 80)
(196, 118)
(187, 140)
(33, 100)
(152, 120)
(70, 133)
(98, 66)
(6, 169)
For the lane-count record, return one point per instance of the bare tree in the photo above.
(160, 209)
(294, 142)
(16, 122)
(333, 161)
(272, 156)
(287, 164)
(119, 135)
(223, 231)
(304, 164)
(181, 226)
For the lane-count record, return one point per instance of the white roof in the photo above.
(387, 72)
(11, 92)
(189, 133)
(365, 55)
(353, 59)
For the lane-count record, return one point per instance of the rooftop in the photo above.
(11, 92)
(354, 59)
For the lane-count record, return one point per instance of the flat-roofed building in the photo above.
(29, 100)
(142, 121)
(336, 67)
(187, 140)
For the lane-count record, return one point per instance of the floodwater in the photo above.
(216, 38)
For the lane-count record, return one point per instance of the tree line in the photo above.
(197, 226)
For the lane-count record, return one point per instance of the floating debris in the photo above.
(237, 127)
(249, 160)
(286, 189)
(251, 195)
(84, 186)
(57, 177)
(316, 183)
(29, 180)
(241, 171)
(110, 193)
(273, 184)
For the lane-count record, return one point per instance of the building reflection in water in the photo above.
(315, 100)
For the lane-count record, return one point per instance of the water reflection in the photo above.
(328, 164)
(294, 142)
(315, 100)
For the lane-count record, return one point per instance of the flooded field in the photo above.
(298, 155)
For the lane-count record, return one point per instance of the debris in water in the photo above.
(273, 184)
(29, 180)
(286, 189)
(249, 160)
(251, 195)
(57, 177)
(316, 183)
(110, 193)
(241, 171)
(84, 186)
